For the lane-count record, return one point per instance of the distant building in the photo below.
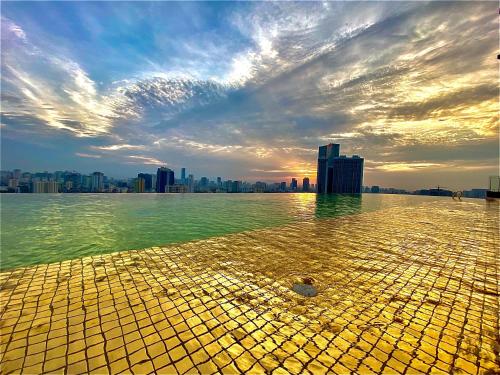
(45, 187)
(283, 186)
(13, 183)
(293, 185)
(437, 192)
(148, 181)
(183, 175)
(260, 187)
(140, 185)
(178, 188)
(190, 183)
(475, 193)
(338, 174)
(37, 187)
(164, 178)
(97, 182)
(346, 175)
(236, 187)
(75, 180)
(325, 160)
(16, 173)
(305, 184)
(375, 189)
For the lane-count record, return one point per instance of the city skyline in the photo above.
(253, 88)
(56, 181)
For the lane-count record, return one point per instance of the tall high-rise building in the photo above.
(75, 179)
(148, 181)
(190, 183)
(164, 179)
(283, 186)
(236, 187)
(52, 187)
(293, 185)
(338, 174)
(97, 182)
(183, 175)
(140, 185)
(305, 184)
(219, 181)
(347, 175)
(86, 183)
(325, 160)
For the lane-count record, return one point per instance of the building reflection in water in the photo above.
(334, 205)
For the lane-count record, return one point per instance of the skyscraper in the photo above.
(325, 160)
(305, 184)
(97, 182)
(164, 178)
(140, 185)
(293, 185)
(338, 174)
(347, 175)
(148, 181)
(190, 183)
(183, 175)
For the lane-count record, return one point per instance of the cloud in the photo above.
(147, 160)
(261, 85)
(84, 155)
(118, 147)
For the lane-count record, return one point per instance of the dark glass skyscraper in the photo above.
(305, 184)
(325, 160)
(347, 175)
(338, 174)
(164, 179)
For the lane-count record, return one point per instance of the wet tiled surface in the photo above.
(403, 290)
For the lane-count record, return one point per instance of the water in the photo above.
(46, 228)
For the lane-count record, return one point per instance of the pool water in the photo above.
(46, 228)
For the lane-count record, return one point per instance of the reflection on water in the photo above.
(332, 205)
(46, 228)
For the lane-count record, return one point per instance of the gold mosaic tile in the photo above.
(404, 290)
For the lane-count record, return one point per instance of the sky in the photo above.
(249, 90)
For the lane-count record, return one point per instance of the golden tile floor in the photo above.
(404, 290)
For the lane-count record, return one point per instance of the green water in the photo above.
(46, 228)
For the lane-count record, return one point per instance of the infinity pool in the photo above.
(46, 228)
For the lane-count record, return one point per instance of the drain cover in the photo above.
(305, 290)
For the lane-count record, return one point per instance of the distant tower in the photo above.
(347, 175)
(97, 182)
(139, 186)
(183, 175)
(148, 181)
(305, 184)
(293, 185)
(164, 179)
(325, 160)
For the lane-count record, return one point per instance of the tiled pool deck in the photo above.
(403, 290)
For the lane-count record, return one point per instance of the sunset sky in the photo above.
(250, 90)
